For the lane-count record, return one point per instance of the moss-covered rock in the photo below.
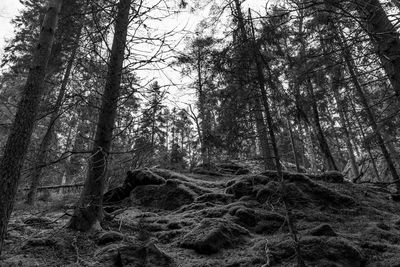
(109, 237)
(319, 251)
(169, 196)
(322, 230)
(215, 198)
(329, 177)
(133, 254)
(212, 234)
(133, 179)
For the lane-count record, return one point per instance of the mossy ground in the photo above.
(364, 218)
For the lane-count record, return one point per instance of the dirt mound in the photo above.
(299, 190)
(169, 196)
(318, 251)
(211, 235)
(133, 254)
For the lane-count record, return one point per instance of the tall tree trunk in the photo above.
(89, 212)
(337, 79)
(273, 85)
(323, 144)
(371, 118)
(42, 154)
(293, 144)
(360, 127)
(262, 133)
(22, 127)
(203, 123)
(262, 130)
(256, 55)
(385, 38)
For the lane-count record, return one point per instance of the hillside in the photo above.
(217, 220)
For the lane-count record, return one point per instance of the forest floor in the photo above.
(225, 220)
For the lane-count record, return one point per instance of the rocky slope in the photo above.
(214, 219)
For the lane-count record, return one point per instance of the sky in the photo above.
(8, 10)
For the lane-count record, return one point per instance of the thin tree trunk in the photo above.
(89, 211)
(293, 144)
(385, 38)
(262, 130)
(375, 168)
(337, 78)
(21, 130)
(262, 133)
(364, 101)
(42, 155)
(203, 123)
(310, 148)
(274, 88)
(261, 81)
(66, 178)
(323, 144)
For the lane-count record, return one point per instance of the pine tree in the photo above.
(21, 130)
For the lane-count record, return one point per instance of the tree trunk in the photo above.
(21, 130)
(262, 130)
(273, 85)
(323, 144)
(337, 79)
(262, 133)
(41, 156)
(310, 148)
(202, 113)
(293, 144)
(385, 38)
(371, 118)
(89, 211)
(371, 157)
(261, 81)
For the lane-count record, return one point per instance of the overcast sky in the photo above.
(8, 10)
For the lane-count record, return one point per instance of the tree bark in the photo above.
(89, 211)
(385, 38)
(21, 130)
(42, 154)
